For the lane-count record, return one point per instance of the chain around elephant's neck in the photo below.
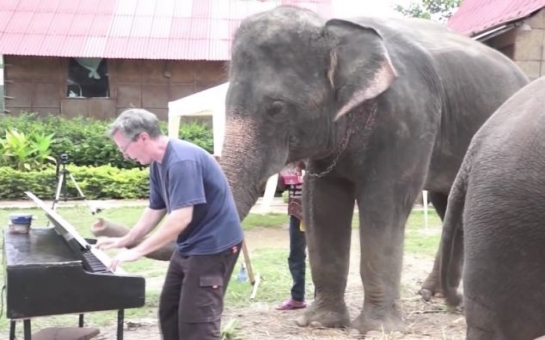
(369, 126)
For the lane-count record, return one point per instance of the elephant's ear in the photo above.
(360, 68)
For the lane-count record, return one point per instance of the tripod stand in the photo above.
(62, 174)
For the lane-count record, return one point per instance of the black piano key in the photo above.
(92, 264)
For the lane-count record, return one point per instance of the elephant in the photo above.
(494, 233)
(379, 109)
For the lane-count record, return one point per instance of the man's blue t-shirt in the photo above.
(190, 176)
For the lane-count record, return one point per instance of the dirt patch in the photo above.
(260, 320)
(259, 238)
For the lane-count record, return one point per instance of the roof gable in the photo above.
(477, 16)
(130, 29)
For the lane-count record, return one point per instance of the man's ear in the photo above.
(143, 135)
(360, 66)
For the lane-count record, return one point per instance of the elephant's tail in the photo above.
(452, 241)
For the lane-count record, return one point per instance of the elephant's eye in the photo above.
(276, 108)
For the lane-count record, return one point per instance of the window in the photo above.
(88, 78)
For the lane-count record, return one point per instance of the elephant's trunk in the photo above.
(243, 163)
(103, 227)
(244, 189)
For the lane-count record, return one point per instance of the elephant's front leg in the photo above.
(383, 213)
(329, 207)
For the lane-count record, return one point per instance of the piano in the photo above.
(52, 271)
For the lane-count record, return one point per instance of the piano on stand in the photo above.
(52, 271)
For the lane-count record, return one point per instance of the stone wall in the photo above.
(529, 43)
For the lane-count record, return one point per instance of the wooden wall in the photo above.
(38, 84)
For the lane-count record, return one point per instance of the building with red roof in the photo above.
(515, 27)
(97, 58)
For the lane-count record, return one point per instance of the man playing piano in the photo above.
(188, 186)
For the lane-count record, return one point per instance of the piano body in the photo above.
(52, 271)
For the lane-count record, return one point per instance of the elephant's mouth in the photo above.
(368, 129)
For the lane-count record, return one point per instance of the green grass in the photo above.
(269, 262)
(419, 239)
(269, 220)
(275, 285)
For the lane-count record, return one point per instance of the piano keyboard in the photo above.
(92, 264)
(102, 257)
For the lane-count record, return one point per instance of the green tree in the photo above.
(439, 10)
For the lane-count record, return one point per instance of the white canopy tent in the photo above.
(205, 103)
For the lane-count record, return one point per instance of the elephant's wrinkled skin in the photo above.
(304, 88)
(495, 222)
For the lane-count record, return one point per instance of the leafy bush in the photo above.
(104, 182)
(85, 141)
(26, 151)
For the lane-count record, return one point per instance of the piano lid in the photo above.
(60, 223)
(69, 233)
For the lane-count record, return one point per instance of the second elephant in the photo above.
(495, 222)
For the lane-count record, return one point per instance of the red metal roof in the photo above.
(477, 16)
(130, 29)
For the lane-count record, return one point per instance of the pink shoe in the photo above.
(291, 304)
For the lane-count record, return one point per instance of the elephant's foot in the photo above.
(322, 316)
(431, 287)
(454, 300)
(385, 320)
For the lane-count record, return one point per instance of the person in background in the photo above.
(293, 177)
(188, 186)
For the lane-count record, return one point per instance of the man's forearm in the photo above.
(173, 225)
(148, 220)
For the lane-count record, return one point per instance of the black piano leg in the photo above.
(27, 329)
(12, 330)
(80, 320)
(120, 319)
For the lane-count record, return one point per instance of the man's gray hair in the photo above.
(132, 122)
